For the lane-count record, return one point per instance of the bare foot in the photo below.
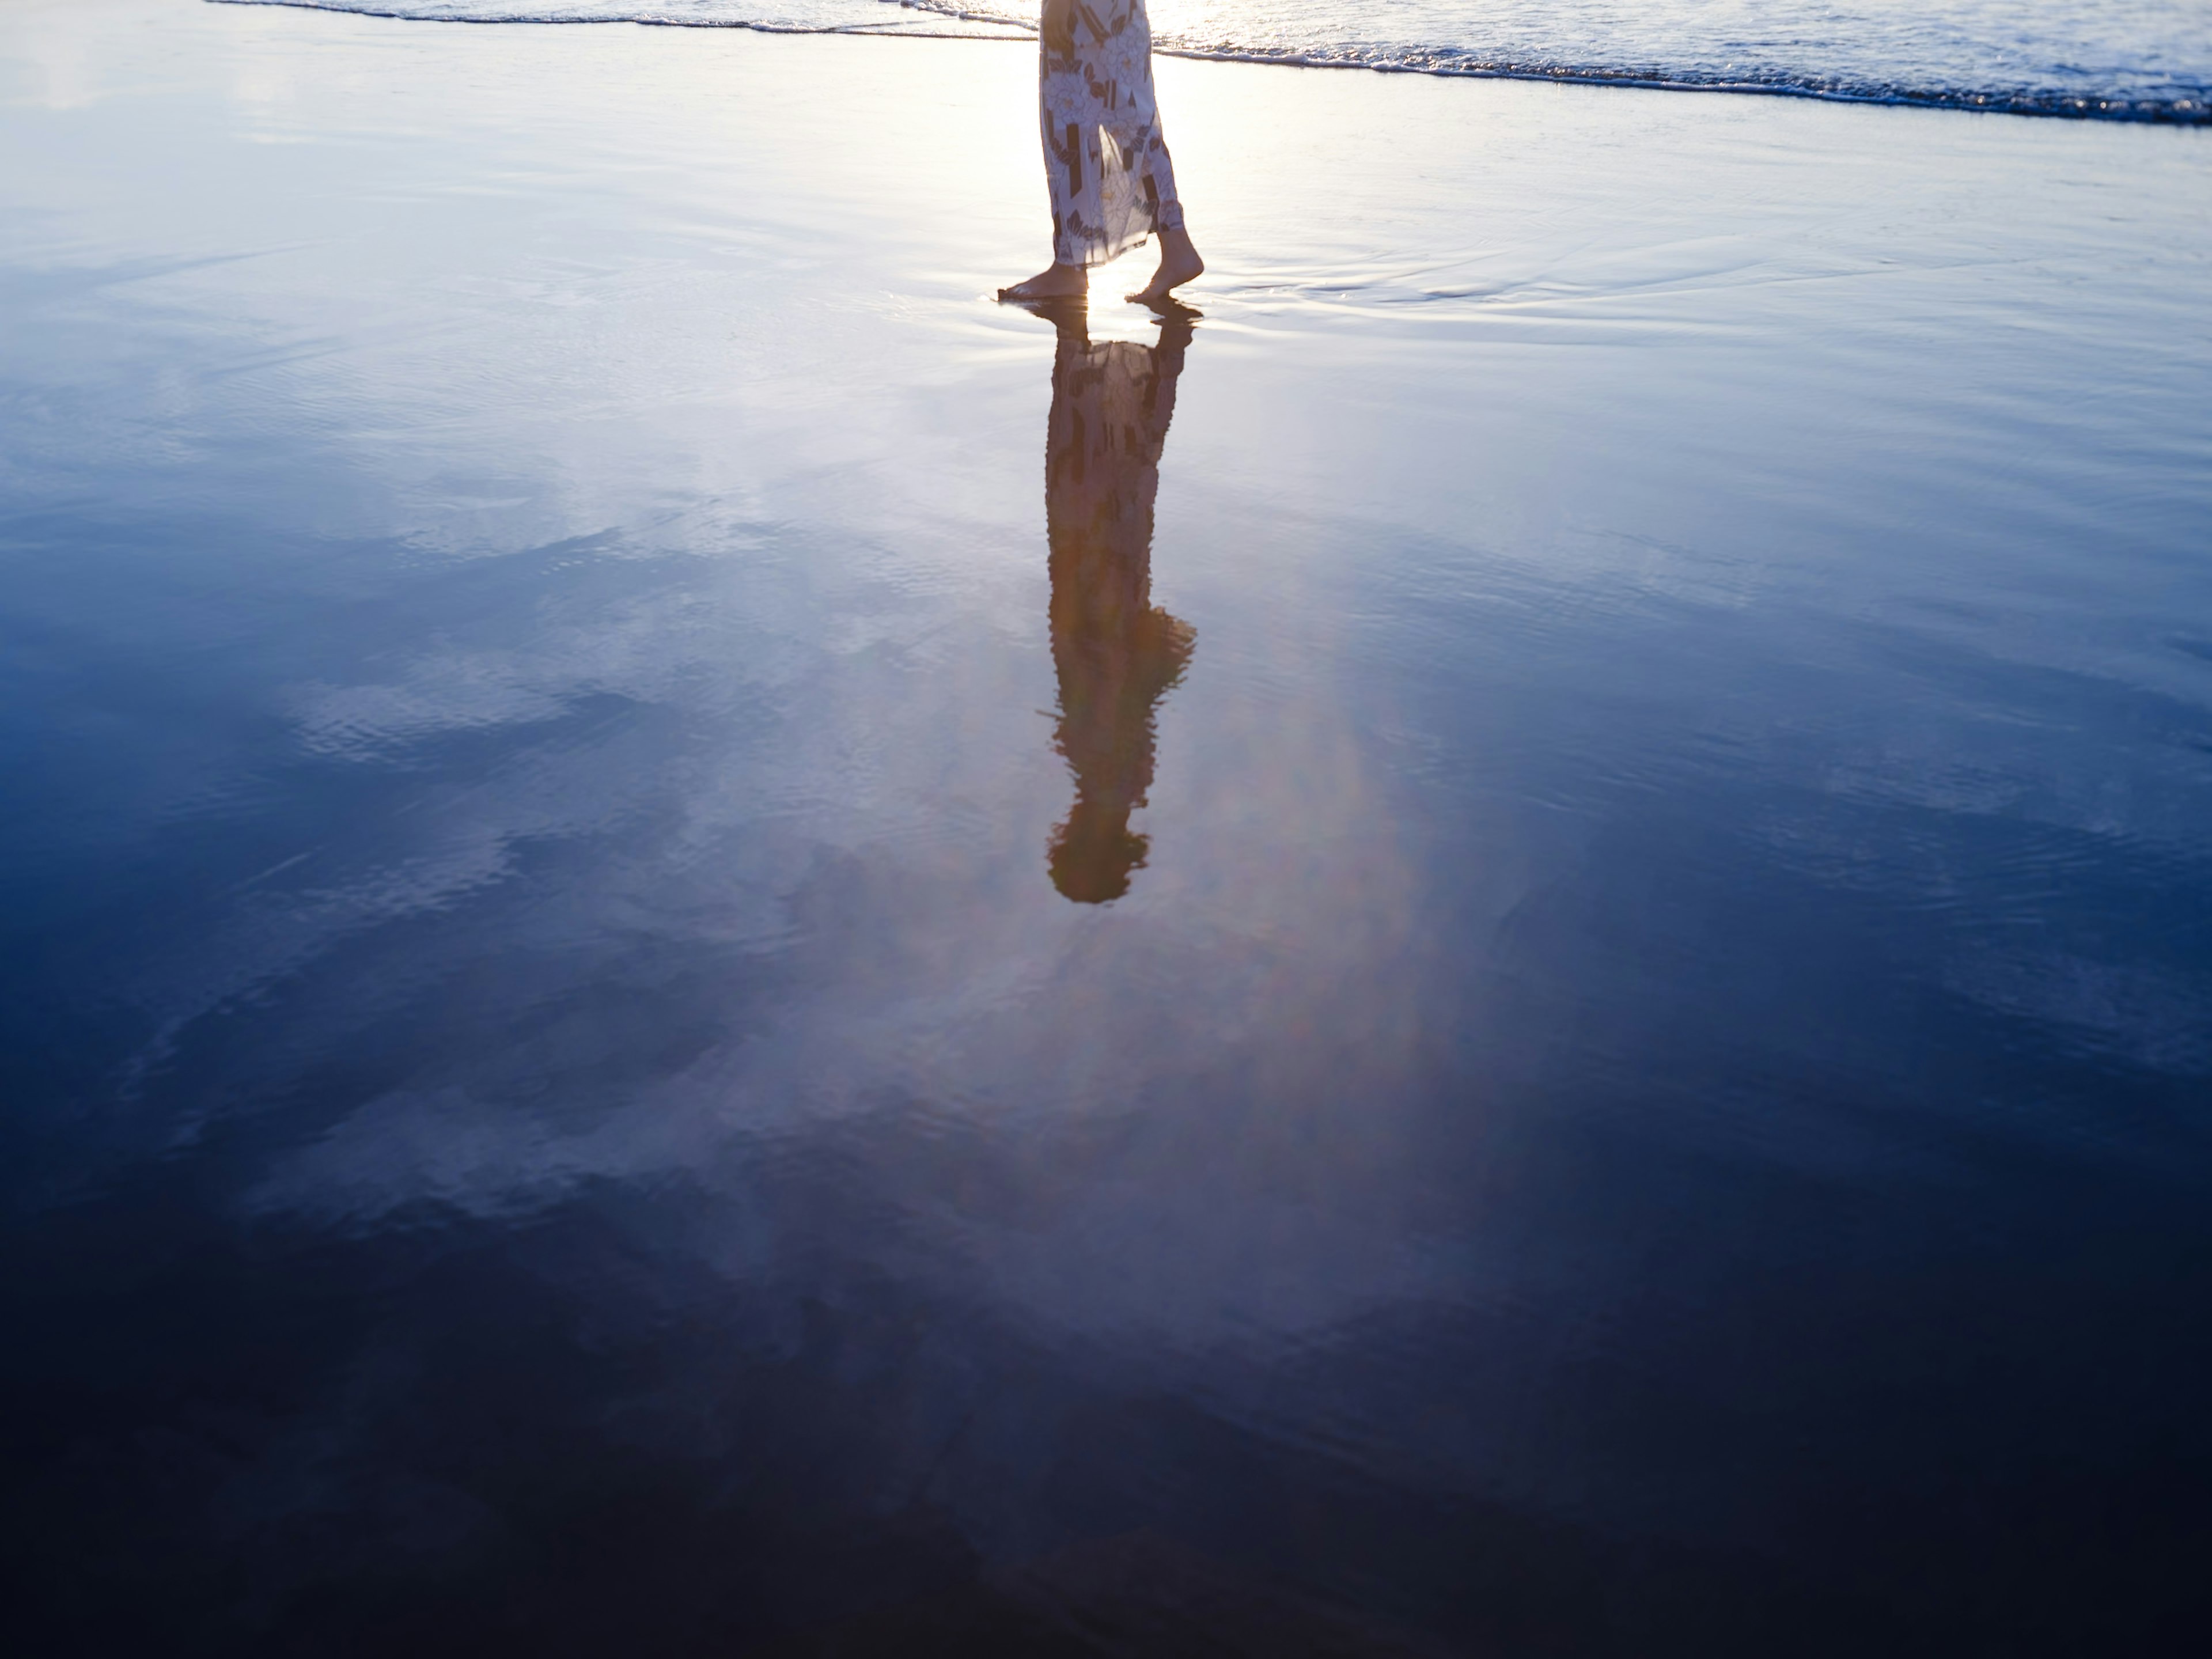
(1054, 282)
(1179, 263)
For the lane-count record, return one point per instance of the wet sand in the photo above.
(1500, 948)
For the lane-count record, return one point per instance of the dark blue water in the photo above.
(1503, 949)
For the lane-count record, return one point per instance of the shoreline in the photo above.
(2192, 112)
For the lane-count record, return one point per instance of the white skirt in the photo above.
(1105, 162)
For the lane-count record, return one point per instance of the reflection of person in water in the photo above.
(1116, 652)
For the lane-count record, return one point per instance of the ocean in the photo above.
(2144, 60)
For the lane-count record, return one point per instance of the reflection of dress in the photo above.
(1112, 183)
(1115, 651)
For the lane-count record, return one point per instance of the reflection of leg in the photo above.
(1093, 853)
(1177, 327)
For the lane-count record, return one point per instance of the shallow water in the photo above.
(1505, 949)
(2112, 59)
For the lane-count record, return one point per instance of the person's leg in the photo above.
(1102, 139)
(1155, 169)
(1055, 282)
(1060, 90)
(1179, 263)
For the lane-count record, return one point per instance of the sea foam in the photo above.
(2142, 60)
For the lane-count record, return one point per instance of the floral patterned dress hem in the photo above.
(1107, 166)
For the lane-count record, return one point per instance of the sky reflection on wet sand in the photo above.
(582, 1074)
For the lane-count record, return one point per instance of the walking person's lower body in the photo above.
(1106, 164)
